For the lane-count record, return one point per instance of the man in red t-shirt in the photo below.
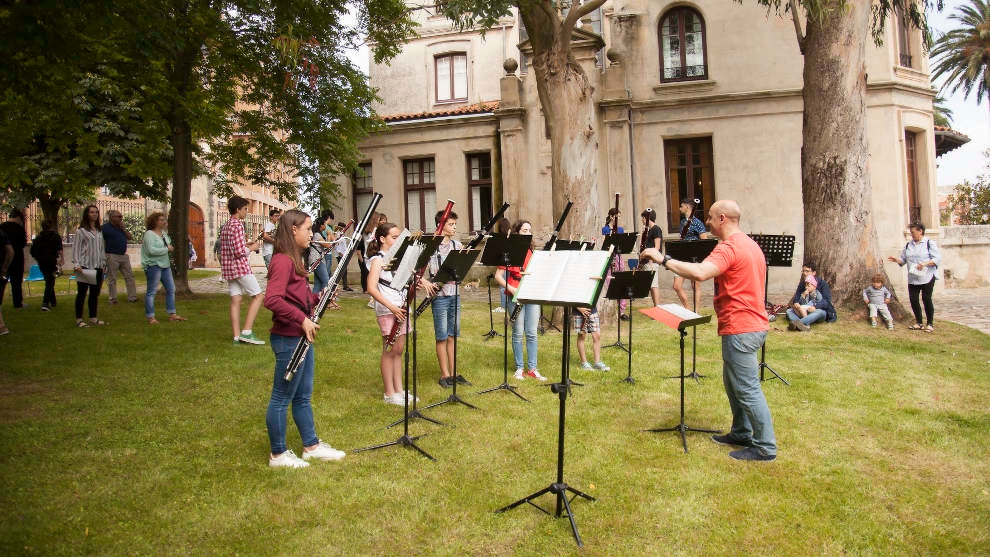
(738, 266)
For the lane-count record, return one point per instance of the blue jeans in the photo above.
(298, 392)
(446, 317)
(320, 276)
(813, 317)
(526, 324)
(156, 274)
(741, 376)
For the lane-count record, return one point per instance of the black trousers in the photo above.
(15, 277)
(93, 290)
(364, 276)
(48, 270)
(925, 291)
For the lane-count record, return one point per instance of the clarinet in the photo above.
(473, 244)
(322, 251)
(299, 354)
(390, 338)
(547, 246)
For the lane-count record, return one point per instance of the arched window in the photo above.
(683, 55)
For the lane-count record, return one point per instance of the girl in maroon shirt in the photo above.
(291, 302)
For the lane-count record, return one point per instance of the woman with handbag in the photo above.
(922, 257)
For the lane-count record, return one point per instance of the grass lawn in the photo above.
(132, 439)
(62, 285)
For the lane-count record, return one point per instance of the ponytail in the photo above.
(375, 247)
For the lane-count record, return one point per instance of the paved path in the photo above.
(967, 306)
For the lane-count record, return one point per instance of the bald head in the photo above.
(723, 218)
(728, 208)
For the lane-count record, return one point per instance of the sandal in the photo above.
(929, 329)
(176, 317)
(81, 324)
(152, 321)
(916, 327)
(96, 322)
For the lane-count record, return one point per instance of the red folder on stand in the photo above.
(675, 316)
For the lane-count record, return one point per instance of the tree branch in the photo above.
(797, 24)
(575, 14)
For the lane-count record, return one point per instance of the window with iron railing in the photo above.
(683, 48)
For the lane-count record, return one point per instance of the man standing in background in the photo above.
(268, 236)
(17, 238)
(115, 238)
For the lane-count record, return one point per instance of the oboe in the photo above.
(299, 354)
(390, 338)
(549, 245)
(473, 244)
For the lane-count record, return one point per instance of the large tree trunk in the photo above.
(50, 208)
(839, 231)
(178, 214)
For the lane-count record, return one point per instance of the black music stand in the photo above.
(680, 323)
(779, 252)
(406, 440)
(559, 488)
(623, 243)
(492, 333)
(694, 251)
(506, 251)
(629, 285)
(453, 269)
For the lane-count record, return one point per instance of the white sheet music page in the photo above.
(680, 311)
(406, 267)
(563, 277)
(539, 280)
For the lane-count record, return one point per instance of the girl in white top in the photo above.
(389, 309)
(88, 254)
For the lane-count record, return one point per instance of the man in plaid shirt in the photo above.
(235, 269)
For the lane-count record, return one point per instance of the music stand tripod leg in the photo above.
(453, 395)
(505, 386)
(763, 349)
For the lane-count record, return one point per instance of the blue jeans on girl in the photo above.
(297, 392)
(525, 324)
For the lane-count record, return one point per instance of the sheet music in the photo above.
(396, 245)
(406, 267)
(570, 277)
(680, 311)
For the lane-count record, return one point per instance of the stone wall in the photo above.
(966, 256)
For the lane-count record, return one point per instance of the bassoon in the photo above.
(299, 354)
(473, 244)
(547, 246)
(390, 338)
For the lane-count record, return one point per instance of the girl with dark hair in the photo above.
(291, 302)
(88, 261)
(156, 248)
(652, 238)
(367, 235)
(922, 257)
(691, 229)
(612, 225)
(321, 275)
(389, 309)
(46, 249)
(529, 317)
(503, 227)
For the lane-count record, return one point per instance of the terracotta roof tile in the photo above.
(461, 110)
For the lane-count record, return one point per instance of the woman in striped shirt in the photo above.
(88, 255)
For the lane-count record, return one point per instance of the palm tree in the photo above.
(963, 54)
(943, 114)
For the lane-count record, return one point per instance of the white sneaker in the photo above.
(586, 365)
(323, 452)
(411, 398)
(535, 375)
(288, 459)
(602, 366)
(519, 375)
(498, 310)
(395, 399)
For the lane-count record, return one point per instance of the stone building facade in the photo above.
(696, 99)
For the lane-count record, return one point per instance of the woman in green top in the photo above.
(155, 252)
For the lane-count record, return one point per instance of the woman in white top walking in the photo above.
(922, 257)
(89, 255)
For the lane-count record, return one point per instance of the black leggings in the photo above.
(94, 295)
(364, 276)
(48, 270)
(926, 295)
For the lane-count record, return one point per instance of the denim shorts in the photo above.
(446, 317)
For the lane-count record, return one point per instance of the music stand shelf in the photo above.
(629, 285)
(779, 252)
(679, 319)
